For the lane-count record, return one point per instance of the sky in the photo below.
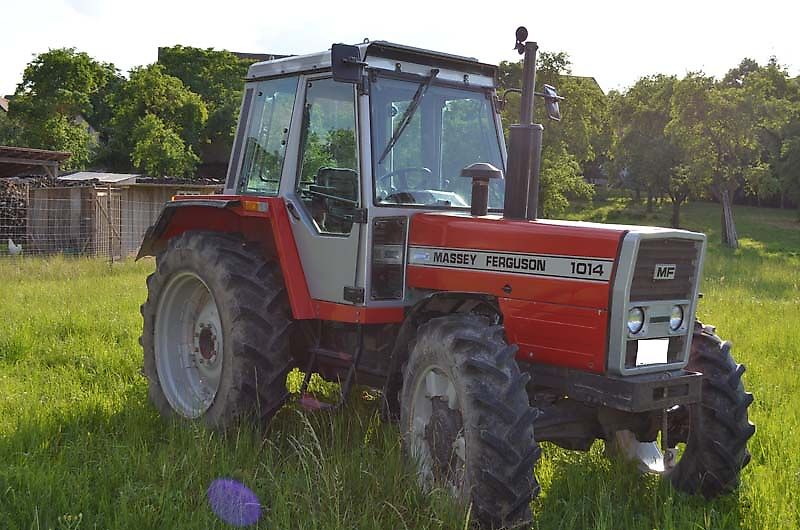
(614, 41)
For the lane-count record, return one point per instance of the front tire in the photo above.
(714, 431)
(718, 427)
(466, 421)
(215, 335)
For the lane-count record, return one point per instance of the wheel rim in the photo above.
(437, 443)
(188, 345)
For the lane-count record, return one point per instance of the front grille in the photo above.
(682, 253)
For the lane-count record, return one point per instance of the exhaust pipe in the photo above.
(525, 145)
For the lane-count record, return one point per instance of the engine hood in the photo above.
(563, 262)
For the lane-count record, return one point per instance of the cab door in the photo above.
(322, 187)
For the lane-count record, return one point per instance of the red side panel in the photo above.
(557, 334)
(560, 320)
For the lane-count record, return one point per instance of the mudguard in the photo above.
(258, 219)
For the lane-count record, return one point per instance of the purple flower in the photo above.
(233, 502)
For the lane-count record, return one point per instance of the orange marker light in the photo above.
(254, 206)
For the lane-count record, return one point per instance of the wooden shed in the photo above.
(106, 217)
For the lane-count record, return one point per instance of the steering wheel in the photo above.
(402, 176)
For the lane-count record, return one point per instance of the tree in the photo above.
(651, 157)
(571, 145)
(776, 100)
(789, 165)
(715, 126)
(216, 76)
(9, 130)
(158, 150)
(60, 88)
(178, 110)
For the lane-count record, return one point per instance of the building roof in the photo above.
(24, 160)
(259, 57)
(3, 104)
(589, 80)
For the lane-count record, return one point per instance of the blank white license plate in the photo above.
(652, 351)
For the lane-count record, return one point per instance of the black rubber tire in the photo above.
(501, 450)
(255, 317)
(718, 427)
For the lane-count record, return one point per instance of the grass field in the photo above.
(80, 446)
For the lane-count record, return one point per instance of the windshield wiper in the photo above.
(409, 113)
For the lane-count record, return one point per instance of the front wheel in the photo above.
(713, 433)
(465, 418)
(215, 335)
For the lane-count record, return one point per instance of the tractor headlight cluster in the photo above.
(635, 320)
(676, 318)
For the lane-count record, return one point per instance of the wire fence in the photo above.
(99, 220)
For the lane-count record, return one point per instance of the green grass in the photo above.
(81, 447)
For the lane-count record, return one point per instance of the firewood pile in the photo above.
(14, 203)
(13, 208)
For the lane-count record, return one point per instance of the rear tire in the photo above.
(215, 335)
(466, 420)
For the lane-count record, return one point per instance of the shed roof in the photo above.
(136, 179)
(105, 178)
(3, 104)
(24, 160)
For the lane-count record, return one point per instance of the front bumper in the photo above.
(635, 393)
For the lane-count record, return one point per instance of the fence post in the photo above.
(110, 219)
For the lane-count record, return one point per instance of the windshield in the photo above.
(418, 160)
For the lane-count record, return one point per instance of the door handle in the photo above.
(290, 207)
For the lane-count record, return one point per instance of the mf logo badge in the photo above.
(664, 271)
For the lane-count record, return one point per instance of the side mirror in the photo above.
(346, 63)
(551, 98)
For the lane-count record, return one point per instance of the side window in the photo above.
(265, 144)
(327, 180)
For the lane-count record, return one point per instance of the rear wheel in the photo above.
(215, 335)
(712, 434)
(465, 418)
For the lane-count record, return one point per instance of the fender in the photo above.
(261, 219)
(434, 304)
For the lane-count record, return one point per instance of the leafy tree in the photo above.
(58, 88)
(650, 156)
(776, 100)
(152, 92)
(715, 125)
(560, 180)
(570, 146)
(216, 76)
(159, 150)
(9, 130)
(789, 165)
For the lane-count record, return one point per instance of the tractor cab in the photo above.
(355, 157)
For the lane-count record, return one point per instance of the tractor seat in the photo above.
(334, 199)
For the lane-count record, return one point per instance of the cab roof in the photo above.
(321, 61)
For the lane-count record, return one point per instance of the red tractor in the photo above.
(374, 230)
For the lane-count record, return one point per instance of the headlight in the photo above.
(676, 318)
(635, 319)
